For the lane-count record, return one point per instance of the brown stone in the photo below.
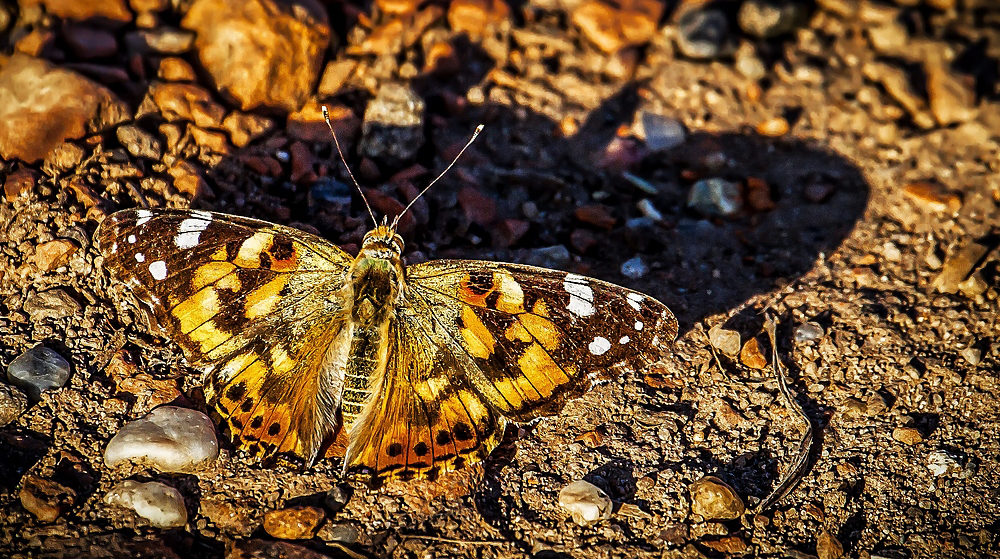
(582, 240)
(477, 17)
(509, 231)
(88, 42)
(931, 196)
(51, 255)
(293, 523)
(244, 128)
(759, 195)
(478, 207)
(773, 127)
(209, 141)
(302, 161)
(335, 75)
(179, 101)
(228, 516)
(308, 124)
(44, 498)
(828, 546)
(19, 182)
(263, 549)
(261, 53)
(173, 69)
(752, 356)
(110, 12)
(397, 7)
(907, 435)
(596, 214)
(188, 181)
(72, 105)
(726, 544)
(614, 26)
(713, 499)
(262, 164)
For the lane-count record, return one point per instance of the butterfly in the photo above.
(419, 367)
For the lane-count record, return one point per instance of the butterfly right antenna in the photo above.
(326, 117)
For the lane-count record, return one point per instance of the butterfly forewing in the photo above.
(256, 304)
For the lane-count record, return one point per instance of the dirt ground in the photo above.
(864, 156)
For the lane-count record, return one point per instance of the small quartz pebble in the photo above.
(715, 196)
(161, 505)
(293, 523)
(586, 502)
(942, 462)
(634, 268)
(712, 499)
(661, 132)
(973, 355)
(170, 438)
(726, 341)
(37, 370)
(808, 332)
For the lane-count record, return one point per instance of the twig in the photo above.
(797, 471)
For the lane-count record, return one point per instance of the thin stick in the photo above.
(450, 165)
(450, 540)
(326, 117)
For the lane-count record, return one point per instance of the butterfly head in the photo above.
(382, 242)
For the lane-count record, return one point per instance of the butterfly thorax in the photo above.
(376, 282)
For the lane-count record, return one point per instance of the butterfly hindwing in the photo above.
(255, 304)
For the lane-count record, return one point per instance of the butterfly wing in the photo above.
(541, 337)
(257, 305)
(476, 343)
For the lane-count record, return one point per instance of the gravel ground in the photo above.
(834, 166)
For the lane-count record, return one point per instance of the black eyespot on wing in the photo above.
(256, 422)
(442, 438)
(274, 429)
(236, 391)
(395, 449)
(420, 449)
(463, 432)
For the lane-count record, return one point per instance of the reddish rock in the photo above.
(44, 498)
(509, 231)
(173, 69)
(752, 356)
(180, 101)
(262, 164)
(612, 26)
(477, 17)
(293, 523)
(19, 182)
(397, 7)
(42, 106)
(726, 544)
(478, 207)
(759, 195)
(932, 196)
(596, 214)
(302, 161)
(582, 240)
(384, 39)
(308, 124)
(51, 255)
(261, 53)
(109, 12)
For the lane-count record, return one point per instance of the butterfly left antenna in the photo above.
(475, 134)
(326, 117)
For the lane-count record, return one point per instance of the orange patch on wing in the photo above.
(287, 264)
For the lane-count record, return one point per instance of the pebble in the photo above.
(907, 435)
(165, 40)
(931, 196)
(730, 545)
(74, 105)
(891, 252)
(660, 132)
(38, 370)
(766, 19)
(19, 182)
(243, 127)
(186, 102)
(773, 127)
(44, 498)
(828, 546)
(51, 304)
(713, 499)
(340, 532)
(951, 99)
(752, 356)
(703, 33)
(634, 268)
(260, 53)
(942, 462)
(293, 523)
(169, 438)
(393, 126)
(330, 194)
(555, 256)
(973, 355)
(52, 254)
(959, 265)
(598, 215)
(748, 63)
(13, 403)
(477, 17)
(160, 504)
(897, 84)
(138, 142)
(586, 503)
(613, 26)
(175, 69)
(337, 498)
(88, 42)
(726, 341)
(808, 331)
(260, 549)
(715, 196)
(229, 516)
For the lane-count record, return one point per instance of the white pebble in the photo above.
(170, 439)
(585, 502)
(808, 331)
(941, 462)
(161, 505)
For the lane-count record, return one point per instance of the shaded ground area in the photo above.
(834, 166)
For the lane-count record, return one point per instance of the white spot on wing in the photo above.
(202, 214)
(189, 232)
(140, 257)
(599, 346)
(634, 299)
(131, 239)
(159, 270)
(624, 340)
(638, 325)
(581, 296)
(144, 216)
